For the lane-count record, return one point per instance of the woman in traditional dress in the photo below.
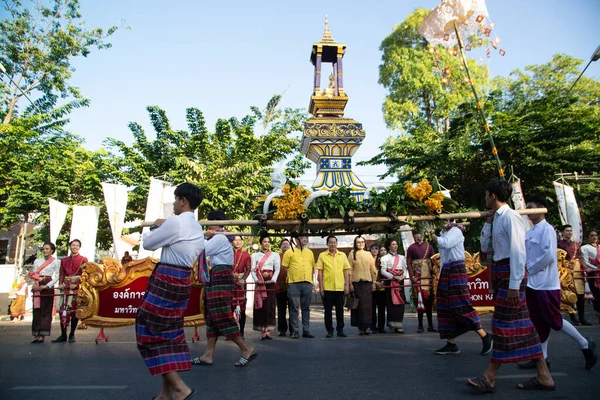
(363, 275)
(378, 296)
(43, 277)
(265, 269)
(393, 268)
(590, 257)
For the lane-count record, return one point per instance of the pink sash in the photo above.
(260, 292)
(396, 296)
(37, 301)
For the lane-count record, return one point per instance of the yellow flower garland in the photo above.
(291, 205)
(418, 191)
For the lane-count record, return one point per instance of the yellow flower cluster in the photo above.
(291, 204)
(418, 191)
(434, 202)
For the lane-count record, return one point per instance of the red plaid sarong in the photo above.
(455, 313)
(218, 299)
(515, 338)
(159, 321)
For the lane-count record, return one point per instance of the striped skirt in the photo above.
(218, 299)
(455, 313)
(159, 321)
(515, 338)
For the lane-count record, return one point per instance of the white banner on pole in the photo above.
(58, 213)
(519, 201)
(160, 194)
(568, 209)
(115, 197)
(85, 228)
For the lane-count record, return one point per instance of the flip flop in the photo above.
(481, 385)
(198, 361)
(245, 361)
(534, 384)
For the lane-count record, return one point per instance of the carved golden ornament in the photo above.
(568, 295)
(342, 128)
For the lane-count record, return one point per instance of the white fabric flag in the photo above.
(569, 210)
(159, 194)
(58, 213)
(85, 228)
(115, 197)
(407, 239)
(519, 201)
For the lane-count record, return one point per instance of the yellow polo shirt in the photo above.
(333, 267)
(300, 264)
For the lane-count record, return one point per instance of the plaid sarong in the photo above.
(159, 321)
(455, 313)
(515, 338)
(218, 299)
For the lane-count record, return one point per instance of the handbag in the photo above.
(351, 301)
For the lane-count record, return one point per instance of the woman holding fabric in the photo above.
(43, 277)
(363, 275)
(590, 257)
(265, 269)
(393, 267)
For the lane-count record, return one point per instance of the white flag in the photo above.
(115, 197)
(159, 194)
(58, 213)
(85, 228)
(568, 209)
(519, 201)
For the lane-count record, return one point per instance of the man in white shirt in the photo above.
(159, 321)
(543, 286)
(515, 338)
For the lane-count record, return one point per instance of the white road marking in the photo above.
(67, 387)
(516, 376)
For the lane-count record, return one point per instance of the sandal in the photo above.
(198, 361)
(245, 361)
(481, 385)
(534, 384)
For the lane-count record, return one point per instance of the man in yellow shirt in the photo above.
(299, 263)
(334, 280)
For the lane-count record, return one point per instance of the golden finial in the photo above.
(327, 38)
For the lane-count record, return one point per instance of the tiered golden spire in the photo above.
(327, 38)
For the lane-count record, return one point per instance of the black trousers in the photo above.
(330, 299)
(428, 303)
(378, 310)
(283, 306)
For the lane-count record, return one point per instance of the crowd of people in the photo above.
(369, 281)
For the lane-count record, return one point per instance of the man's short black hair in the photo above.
(331, 237)
(216, 215)
(192, 193)
(53, 246)
(501, 188)
(539, 200)
(565, 226)
(75, 240)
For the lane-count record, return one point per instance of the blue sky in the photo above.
(222, 57)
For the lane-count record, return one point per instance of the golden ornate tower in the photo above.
(329, 139)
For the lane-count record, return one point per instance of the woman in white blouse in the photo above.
(393, 268)
(265, 267)
(590, 257)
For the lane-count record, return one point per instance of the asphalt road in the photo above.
(373, 367)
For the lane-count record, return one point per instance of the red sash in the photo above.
(37, 301)
(260, 292)
(596, 263)
(396, 295)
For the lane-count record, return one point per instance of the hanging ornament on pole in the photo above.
(459, 26)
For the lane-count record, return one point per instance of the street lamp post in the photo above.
(595, 57)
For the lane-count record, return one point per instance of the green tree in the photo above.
(231, 164)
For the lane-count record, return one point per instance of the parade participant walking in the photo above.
(393, 267)
(17, 306)
(515, 338)
(69, 280)
(456, 316)
(299, 264)
(363, 275)
(420, 271)
(159, 321)
(265, 270)
(334, 280)
(543, 286)
(218, 294)
(573, 255)
(281, 289)
(43, 276)
(590, 257)
(241, 271)
(378, 296)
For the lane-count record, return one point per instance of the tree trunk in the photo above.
(11, 108)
